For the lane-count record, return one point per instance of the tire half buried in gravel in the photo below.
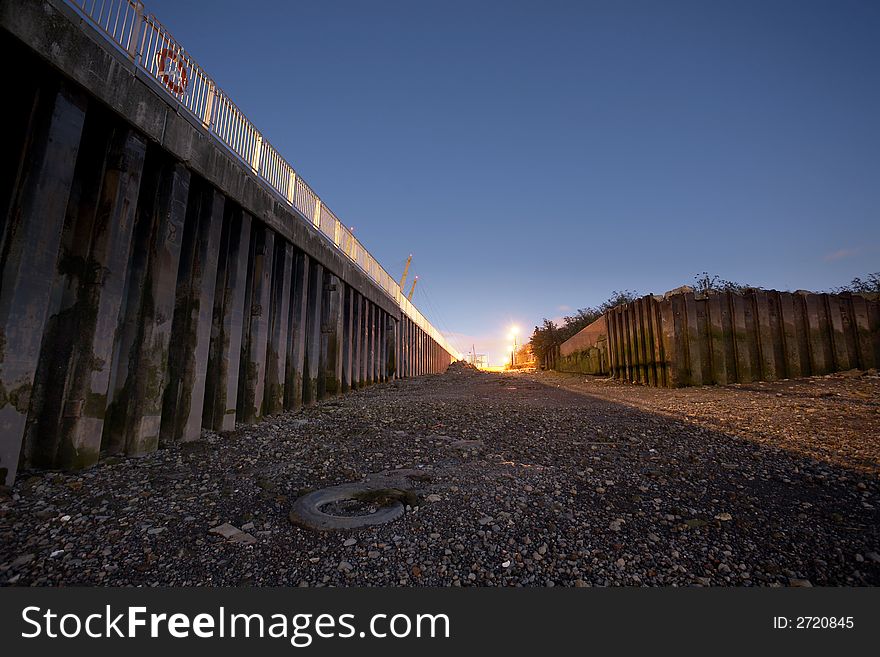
(363, 505)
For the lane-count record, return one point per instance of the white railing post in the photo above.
(209, 105)
(316, 219)
(291, 188)
(258, 147)
(136, 27)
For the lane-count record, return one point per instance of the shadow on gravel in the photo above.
(524, 484)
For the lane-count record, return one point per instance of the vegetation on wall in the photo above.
(551, 334)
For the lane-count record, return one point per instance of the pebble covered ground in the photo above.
(537, 479)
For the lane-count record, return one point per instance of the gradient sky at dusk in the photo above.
(535, 156)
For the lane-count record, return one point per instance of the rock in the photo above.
(243, 537)
(225, 530)
(694, 523)
(466, 444)
(724, 517)
(233, 533)
(345, 567)
(485, 520)
(433, 497)
(872, 556)
(799, 583)
(22, 560)
(653, 537)
(349, 542)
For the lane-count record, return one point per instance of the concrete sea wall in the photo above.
(683, 339)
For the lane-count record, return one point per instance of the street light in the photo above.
(514, 331)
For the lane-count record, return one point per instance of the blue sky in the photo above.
(535, 156)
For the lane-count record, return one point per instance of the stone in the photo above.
(695, 523)
(243, 538)
(349, 542)
(225, 530)
(799, 583)
(22, 560)
(724, 517)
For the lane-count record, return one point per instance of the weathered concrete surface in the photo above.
(141, 361)
(296, 347)
(27, 260)
(358, 337)
(224, 356)
(276, 365)
(313, 334)
(252, 380)
(586, 351)
(390, 362)
(332, 325)
(727, 337)
(191, 330)
(100, 299)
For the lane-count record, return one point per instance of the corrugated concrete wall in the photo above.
(586, 352)
(725, 337)
(145, 296)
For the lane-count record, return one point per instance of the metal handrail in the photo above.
(152, 48)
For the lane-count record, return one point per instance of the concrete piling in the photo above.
(296, 345)
(347, 319)
(358, 339)
(224, 355)
(193, 312)
(332, 324)
(252, 382)
(279, 323)
(31, 236)
(313, 334)
(141, 358)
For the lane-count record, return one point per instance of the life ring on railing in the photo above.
(171, 71)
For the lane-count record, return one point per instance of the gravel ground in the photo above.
(523, 480)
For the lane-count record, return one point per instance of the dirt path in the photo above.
(587, 483)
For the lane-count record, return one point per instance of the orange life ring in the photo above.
(166, 59)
